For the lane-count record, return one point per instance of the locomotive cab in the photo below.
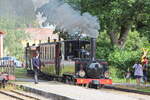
(76, 49)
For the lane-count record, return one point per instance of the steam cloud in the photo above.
(67, 19)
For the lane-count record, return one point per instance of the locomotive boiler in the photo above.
(70, 61)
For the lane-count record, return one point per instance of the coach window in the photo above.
(70, 47)
(45, 53)
(48, 52)
(54, 52)
(42, 53)
(51, 52)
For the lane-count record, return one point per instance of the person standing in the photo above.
(145, 69)
(36, 66)
(138, 73)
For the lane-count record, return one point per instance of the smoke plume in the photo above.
(39, 3)
(67, 19)
(23, 9)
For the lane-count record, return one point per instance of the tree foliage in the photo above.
(13, 37)
(118, 17)
(124, 58)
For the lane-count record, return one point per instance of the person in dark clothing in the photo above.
(145, 69)
(36, 66)
(145, 73)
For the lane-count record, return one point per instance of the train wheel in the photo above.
(101, 85)
(73, 81)
(4, 83)
(66, 79)
(94, 84)
(60, 79)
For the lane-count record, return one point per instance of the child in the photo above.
(128, 76)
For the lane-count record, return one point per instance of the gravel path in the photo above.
(81, 93)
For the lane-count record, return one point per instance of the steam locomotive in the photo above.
(70, 61)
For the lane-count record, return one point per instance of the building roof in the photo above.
(41, 33)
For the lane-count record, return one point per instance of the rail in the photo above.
(18, 95)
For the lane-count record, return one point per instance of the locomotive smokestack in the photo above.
(93, 48)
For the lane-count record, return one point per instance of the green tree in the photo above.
(104, 47)
(13, 37)
(124, 58)
(12, 43)
(118, 17)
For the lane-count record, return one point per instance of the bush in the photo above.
(104, 47)
(123, 59)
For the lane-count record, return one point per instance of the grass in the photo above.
(21, 73)
(132, 81)
(115, 79)
(144, 90)
(123, 80)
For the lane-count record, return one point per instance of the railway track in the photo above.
(18, 95)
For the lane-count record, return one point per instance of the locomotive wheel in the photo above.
(60, 79)
(95, 84)
(68, 79)
(101, 85)
(65, 79)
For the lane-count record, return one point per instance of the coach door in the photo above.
(57, 58)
